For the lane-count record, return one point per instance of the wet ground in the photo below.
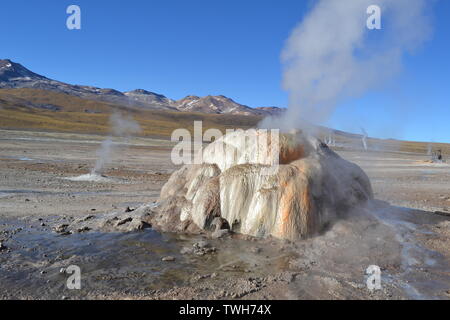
(118, 262)
(37, 196)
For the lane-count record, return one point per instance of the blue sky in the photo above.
(230, 47)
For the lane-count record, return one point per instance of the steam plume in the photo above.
(364, 138)
(121, 127)
(332, 56)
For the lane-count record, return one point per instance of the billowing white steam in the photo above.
(331, 55)
(120, 127)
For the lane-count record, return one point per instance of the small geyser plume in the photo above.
(104, 156)
(364, 139)
(121, 126)
(330, 141)
(332, 56)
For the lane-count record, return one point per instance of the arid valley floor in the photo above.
(406, 231)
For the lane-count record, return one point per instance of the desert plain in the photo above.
(405, 230)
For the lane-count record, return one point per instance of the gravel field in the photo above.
(405, 231)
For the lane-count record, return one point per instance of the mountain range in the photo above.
(32, 102)
(15, 76)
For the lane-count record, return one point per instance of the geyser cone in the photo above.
(310, 188)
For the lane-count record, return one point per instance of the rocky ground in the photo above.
(49, 221)
(406, 179)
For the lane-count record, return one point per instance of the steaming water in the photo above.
(21, 158)
(118, 262)
(415, 257)
(92, 177)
